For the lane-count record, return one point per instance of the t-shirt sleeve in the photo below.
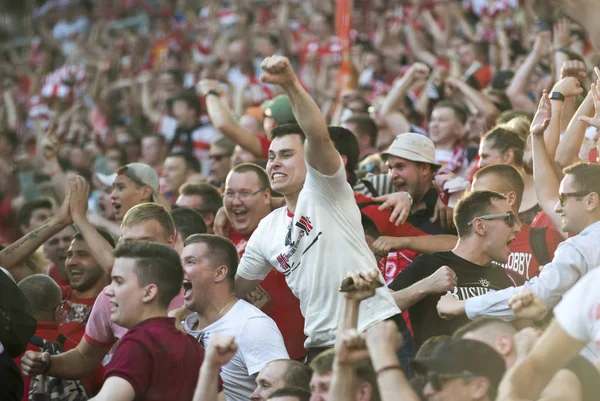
(254, 265)
(98, 330)
(579, 303)
(334, 187)
(260, 342)
(131, 362)
(416, 271)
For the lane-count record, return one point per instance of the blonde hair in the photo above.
(149, 211)
(519, 125)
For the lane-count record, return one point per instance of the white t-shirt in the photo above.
(316, 249)
(259, 342)
(578, 314)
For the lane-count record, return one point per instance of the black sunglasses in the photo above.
(562, 197)
(509, 218)
(437, 380)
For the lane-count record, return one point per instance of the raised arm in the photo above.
(319, 149)
(153, 115)
(221, 348)
(99, 247)
(476, 98)
(222, 119)
(14, 254)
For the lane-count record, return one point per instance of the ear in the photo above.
(481, 387)
(478, 227)
(504, 345)
(147, 193)
(345, 159)
(512, 197)
(209, 219)
(172, 238)
(508, 156)
(221, 273)
(364, 392)
(150, 293)
(593, 201)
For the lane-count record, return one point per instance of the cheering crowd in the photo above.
(241, 200)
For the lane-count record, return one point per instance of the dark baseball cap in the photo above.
(460, 355)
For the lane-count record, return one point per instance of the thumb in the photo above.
(586, 119)
(45, 357)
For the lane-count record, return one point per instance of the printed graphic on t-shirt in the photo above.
(305, 225)
(72, 312)
(473, 289)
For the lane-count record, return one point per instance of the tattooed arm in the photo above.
(20, 250)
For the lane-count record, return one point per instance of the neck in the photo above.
(291, 200)
(93, 291)
(472, 250)
(217, 307)
(149, 313)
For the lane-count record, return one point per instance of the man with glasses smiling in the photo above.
(486, 227)
(462, 370)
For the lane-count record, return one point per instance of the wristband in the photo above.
(409, 197)
(557, 96)
(388, 368)
(211, 92)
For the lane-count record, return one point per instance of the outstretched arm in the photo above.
(319, 150)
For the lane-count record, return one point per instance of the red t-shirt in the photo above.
(73, 313)
(56, 275)
(159, 361)
(283, 306)
(49, 332)
(522, 264)
(381, 218)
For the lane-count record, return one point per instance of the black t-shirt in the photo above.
(472, 280)
(422, 218)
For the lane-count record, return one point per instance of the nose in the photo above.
(428, 391)
(558, 208)
(517, 228)
(254, 396)
(109, 291)
(112, 194)
(481, 163)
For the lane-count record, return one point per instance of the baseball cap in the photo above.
(460, 355)
(142, 174)
(280, 109)
(414, 147)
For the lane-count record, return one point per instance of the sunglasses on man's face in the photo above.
(437, 380)
(509, 218)
(562, 197)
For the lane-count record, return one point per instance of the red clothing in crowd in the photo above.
(57, 276)
(49, 332)
(283, 306)
(159, 361)
(74, 313)
(381, 218)
(8, 228)
(522, 264)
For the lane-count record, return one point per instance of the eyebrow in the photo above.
(282, 150)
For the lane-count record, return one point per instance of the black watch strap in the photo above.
(557, 96)
(211, 92)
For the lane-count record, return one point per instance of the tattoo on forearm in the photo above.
(24, 240)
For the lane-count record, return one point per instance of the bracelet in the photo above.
(388, 368)
(211, 92)
(409, 197)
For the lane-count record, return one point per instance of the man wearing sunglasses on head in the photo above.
(461, 370)
(486, 226)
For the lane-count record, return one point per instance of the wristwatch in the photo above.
(211, 92)
(557, 96)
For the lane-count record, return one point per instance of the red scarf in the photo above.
(458, 157)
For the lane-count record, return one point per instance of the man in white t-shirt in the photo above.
(210, 263)
(317, 239)
(576, 324)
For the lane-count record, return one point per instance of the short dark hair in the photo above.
(11, 137)
(190, 98)
(261, 173)
(155, 264)
(347, 145)
(323, 364)
(188, 221)
(43, 294)
(210, 194)
(365, 125)
(26, 211)
(460, 112)
(472, 205)
(287, 129)
(222, 252)
(191, 162)
(297, 375)
(586, 176)
(480, 323)
(509, 177)
(369, 226)
(104, 234)
(503, 140)
(430, 344)
(300, 393)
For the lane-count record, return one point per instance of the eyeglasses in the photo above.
(509, 218)
(562, 198)
(244, 195)
(437, 380)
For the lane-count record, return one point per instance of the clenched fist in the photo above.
(278, 71)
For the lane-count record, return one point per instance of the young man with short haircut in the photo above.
(154, 360)
(133, 184)
(177, 168)
(282, 373)
(203, 197)
(486, 227)
(34, 214)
